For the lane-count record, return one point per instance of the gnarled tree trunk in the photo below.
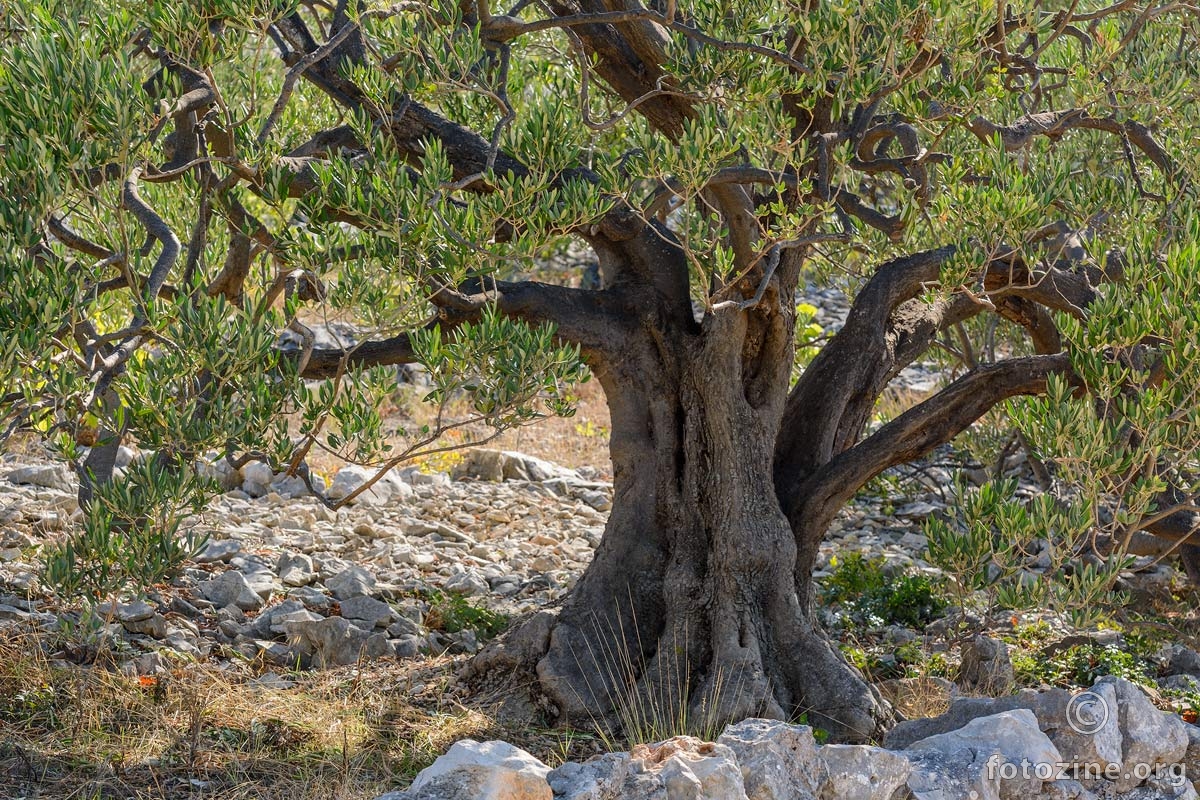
(691, 610)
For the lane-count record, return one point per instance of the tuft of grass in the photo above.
(656, 701)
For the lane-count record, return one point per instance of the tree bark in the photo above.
(689, 615)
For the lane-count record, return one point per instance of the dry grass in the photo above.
(88, 732)
(69, 731)
(917, 698)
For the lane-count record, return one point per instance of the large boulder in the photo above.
(48, 476)
(1078, 727)
(474, 770)
(1150, 737)
(1004, 756)
(778, 761)
(682, 768)
(861, 772)
(599, 778)
(388, 489)
(688, 769)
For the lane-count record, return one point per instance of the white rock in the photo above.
(466, 582)
(474, 770)
(388, 488)
(860, 772)
(1149, 736)
(974, 758)
(778, 761)
(295, 569)
(599, 778)
(256, 479)
(218, 550)
(688, 768)
(351, 582)
(230, 588)
(49, 476)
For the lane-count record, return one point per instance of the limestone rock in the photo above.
(1149, 736)
(295, 569)
(48, 476)
(778, 761)
(256, 479)
(335, 641)
(599, 778)
(230, 588)
(483, 771)
(861, 772)
(998, 757)
(482, 464)
(688, 768)
(387, 489)
(351, 582)
(986, 667)
(373, 613)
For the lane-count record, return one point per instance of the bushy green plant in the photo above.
(130, 536)
(453, 612)
(989, 538)
(869, 596)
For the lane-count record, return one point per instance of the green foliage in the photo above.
(991, 536)
(344, 193)
(453, 612)
(871, 597)
(1081, 665)
(130, 537)
(505, 367)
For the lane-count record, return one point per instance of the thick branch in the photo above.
(924, 427)
(327, 362)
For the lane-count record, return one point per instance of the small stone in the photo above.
(215, 551)
(404, 627)
(373, 613)
(351, 582)
(230, 588)
(297, 521)
(311, 597)
(295, 569)
(275, 652)
(154, 626)
(986, 667)
(597, 500)
(466, 582)
(136, 611)
(151, 664)
(407, 646)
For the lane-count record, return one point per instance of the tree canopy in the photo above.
(1008, 183)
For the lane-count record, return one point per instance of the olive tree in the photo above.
(179, 182)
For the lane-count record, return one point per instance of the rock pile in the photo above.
(285, 580)
(1033, 746)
